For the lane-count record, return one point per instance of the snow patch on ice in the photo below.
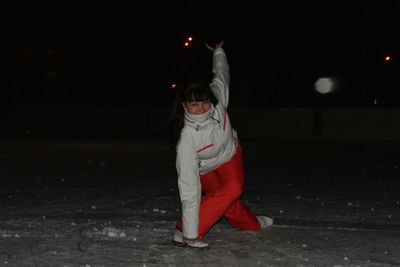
(108, 232)
(8, 234)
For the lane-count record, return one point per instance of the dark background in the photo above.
(122, 53)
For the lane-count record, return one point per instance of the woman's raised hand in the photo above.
(212, 48)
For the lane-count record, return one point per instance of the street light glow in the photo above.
(188, 41)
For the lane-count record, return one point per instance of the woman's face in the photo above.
(198, 107)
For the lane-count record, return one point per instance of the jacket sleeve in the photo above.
(221, 79)
(189, 186)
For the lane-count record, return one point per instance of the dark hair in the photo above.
(191, 92)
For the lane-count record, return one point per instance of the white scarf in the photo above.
(200, 118)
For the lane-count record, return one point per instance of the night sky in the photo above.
(125, 52)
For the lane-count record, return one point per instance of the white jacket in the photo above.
(204, 147)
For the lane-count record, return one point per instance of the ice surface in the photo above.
(115, 203)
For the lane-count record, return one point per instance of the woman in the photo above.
(209, 159)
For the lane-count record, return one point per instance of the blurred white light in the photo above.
(325, 85)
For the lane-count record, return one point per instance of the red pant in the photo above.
(222, 189)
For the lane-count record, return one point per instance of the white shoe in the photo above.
(265, 221)
(178, 236)
(179, 240)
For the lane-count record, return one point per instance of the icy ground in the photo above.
(115, 203)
